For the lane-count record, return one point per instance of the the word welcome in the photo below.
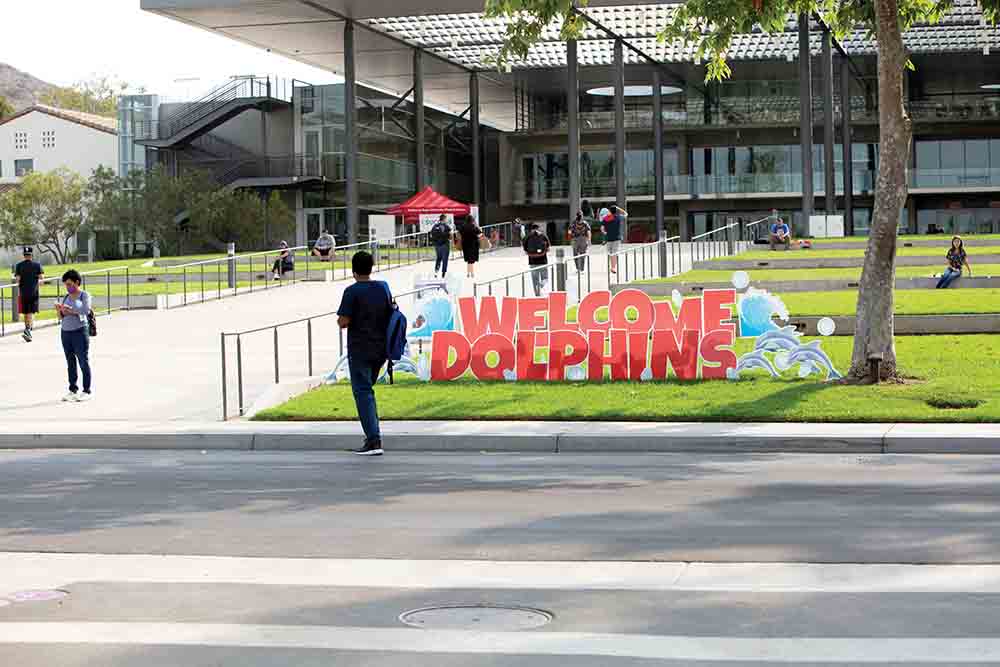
(503, 337)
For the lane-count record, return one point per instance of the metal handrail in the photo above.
(714, 231)
(756, 222)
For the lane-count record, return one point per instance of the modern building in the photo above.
(619, 116)
(271, 135)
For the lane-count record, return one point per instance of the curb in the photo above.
(528, 437)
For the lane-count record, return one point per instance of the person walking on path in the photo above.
(364, 311)
(579, 232)
(74, 312)
(285, 262)
(613, 227)
(470, 234)
(956, 260)
(440, 236)
(536, 246)
(28, 274)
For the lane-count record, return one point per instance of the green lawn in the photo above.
(943, 238)
(852, 253)
(908, 302)
(963, 368)
(763, 275)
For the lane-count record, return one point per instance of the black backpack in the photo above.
(440, 233)
(535, 243)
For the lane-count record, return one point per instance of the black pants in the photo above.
(442, 253)
(281, 268)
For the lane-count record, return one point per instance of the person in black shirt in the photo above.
(364, 311)
(470, 234)
(536, 246)
(28, 274)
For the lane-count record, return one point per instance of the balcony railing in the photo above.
(955, 178)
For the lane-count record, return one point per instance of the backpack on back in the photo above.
(535, 243)
(395, 334)
(440, 233)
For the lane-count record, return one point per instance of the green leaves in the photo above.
(46, 210)
(529, 19)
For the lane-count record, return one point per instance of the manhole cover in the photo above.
(501, 618)
(37, 596)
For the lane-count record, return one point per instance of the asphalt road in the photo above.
(239, 558)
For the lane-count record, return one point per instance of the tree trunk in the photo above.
(873, 337)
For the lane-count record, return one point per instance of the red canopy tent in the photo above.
(427, 202)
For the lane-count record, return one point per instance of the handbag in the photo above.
(91, 323)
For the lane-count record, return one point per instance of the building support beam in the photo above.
(805, 118)
(829, 173)
(350, 134)
(418, 118)
(619, 81)
(477, 148)
(573, 126)
(658, 168)
(845, 140)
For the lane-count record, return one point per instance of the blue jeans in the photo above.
(949, 276)
(442, 253)
(76, 346)
(364, 373)
(539, 277)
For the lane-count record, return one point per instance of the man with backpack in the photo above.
(536, 246)
(440, 236)
(365, 311)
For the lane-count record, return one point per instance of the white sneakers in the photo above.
(71, 397)
(83, 398)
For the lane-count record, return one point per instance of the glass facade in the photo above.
(136, 113)
(956, 163)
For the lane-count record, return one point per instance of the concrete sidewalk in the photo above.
(548, 437)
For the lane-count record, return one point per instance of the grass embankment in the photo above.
(769, 274)
(963, 369)
(943, 238)
(776, 257)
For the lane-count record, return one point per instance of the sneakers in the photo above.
(26, 335)
(371, 448)
(70, 397)
(84, 397)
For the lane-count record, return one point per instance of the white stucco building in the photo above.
(42, 138)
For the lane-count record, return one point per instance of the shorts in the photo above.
(614, 246)
(28, 304)
(324, 252)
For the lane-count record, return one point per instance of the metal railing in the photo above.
(659, 259)
(720, 242)
(310, 349)
(756, 230)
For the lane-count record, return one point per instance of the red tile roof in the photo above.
(93, 121)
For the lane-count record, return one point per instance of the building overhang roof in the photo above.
(459, 39)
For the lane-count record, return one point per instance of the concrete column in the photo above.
(805, 113)
(845, 139)
(350, 134)
(573, 126)
(477, 150)
(830, 180)
(658, 151)
(619, 81)
(418, 117)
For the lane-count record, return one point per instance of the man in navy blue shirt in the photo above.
(613, 229)
(780, 233)
(364, 311)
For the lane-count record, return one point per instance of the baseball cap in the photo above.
(28, 250)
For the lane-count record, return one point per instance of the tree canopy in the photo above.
(6, 108)
(97, 95)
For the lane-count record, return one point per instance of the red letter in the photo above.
(504, 348)
(557, 313)
(559, 358)
(716, 310)
(488, 320)
(632, 298)
(683, 356)
(531, 313)
(527, 367)
(690, 317)
(638, 350)
(597, 359)
(586, 314)
(442, 343)
(715, 358)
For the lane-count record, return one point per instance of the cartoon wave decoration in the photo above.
(434, 314)
(788, 351)
(756, 308)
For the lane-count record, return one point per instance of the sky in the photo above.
(65, 41)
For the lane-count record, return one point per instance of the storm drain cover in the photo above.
(499, 618)
(37, 596)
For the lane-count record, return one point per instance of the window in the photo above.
(23, 167)
(48, 138)
(20, 141)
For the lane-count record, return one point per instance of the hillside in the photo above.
(20, 89)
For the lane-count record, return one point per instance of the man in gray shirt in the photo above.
(73, 310)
